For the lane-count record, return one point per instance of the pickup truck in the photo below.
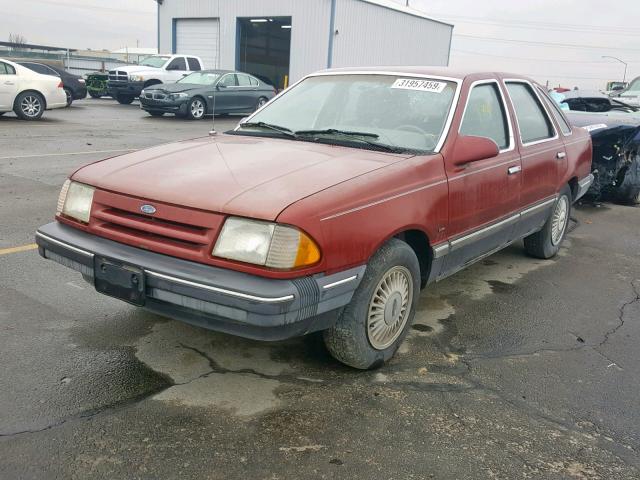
(330, 207)
(127, 82)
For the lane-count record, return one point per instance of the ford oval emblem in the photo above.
(148, 209)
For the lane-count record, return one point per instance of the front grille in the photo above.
(175, 231)
(155, 96)
(118, 76)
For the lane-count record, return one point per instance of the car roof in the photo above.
(448, 72)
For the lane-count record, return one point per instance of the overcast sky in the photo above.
(560, 42)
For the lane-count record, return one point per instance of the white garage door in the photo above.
(199, 37)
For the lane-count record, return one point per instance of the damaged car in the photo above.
(592, 101)
(616, 154)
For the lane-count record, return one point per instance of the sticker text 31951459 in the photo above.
(419, 84)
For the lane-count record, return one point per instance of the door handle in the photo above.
(560, 155)
(515, 169)
(9, 83)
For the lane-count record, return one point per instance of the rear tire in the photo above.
(125, 99)
(69, 96)
(546, 243)
(370, 329)
(29, 106)
(262, 101)
(95, 95)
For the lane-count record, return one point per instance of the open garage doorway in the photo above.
(264, 48)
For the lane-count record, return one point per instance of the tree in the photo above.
(17, 39)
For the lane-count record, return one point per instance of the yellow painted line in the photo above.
(23, 248)
(88, 152)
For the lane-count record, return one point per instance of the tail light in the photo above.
(60, 85)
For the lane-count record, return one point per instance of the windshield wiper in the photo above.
(335, 131)
(355, 136)
(276, 128)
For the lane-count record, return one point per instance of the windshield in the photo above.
(634, 88)
(401, 112)
(156, 62)
(200, 78)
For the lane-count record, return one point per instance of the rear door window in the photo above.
(243, 80)
(177, 64)
(6, 69)
(194, 64)
(485, 115)
(533, 122)
(557, 114)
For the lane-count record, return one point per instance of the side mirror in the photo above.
(220, 86)
(470, 149)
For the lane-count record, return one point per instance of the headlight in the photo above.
(75, 201)
(136, 78)
(142, 92)
(178, 96)
(264, 243)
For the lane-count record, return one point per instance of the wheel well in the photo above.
(148, 83)
(419, 243)
(44, 99)
(573, 184)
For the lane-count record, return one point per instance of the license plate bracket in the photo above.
(119, 280)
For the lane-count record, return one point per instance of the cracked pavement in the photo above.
(514, 368)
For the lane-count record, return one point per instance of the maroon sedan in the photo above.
(330, 207)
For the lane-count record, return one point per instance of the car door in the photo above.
(225, 92)
(8, 86)
(483, 195)
(177, 69)
(247, 93)
(542, 152)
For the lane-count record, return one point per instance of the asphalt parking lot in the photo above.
(515, 368)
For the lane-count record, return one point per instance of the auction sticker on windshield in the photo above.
(417, 84)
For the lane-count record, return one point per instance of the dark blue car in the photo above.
(200, 93)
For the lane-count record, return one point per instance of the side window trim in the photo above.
(555, 136)
(503, 101)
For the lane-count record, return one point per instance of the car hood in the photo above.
(177, 87)
(250, 176)
(135, 69)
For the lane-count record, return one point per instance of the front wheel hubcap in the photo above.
(197, 109)
(559, 220)
(389, 307)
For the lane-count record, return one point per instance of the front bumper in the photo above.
(115, 88)
(210, 297)
(175, 106)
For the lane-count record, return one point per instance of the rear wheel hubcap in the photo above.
(559, 220)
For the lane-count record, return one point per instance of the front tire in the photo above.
(546, 243)
(29, 106)
(95, 95)
(125, 99)
(196, 109)
(371, 328)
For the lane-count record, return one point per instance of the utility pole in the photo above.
(624, 77)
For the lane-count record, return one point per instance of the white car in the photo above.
(28, 93)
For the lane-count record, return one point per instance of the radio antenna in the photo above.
(213, 132)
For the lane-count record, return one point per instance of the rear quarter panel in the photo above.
(350, 221)
(579, 155)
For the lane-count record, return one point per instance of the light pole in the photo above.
(624, 77)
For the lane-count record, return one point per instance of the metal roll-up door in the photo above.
(199, 37)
